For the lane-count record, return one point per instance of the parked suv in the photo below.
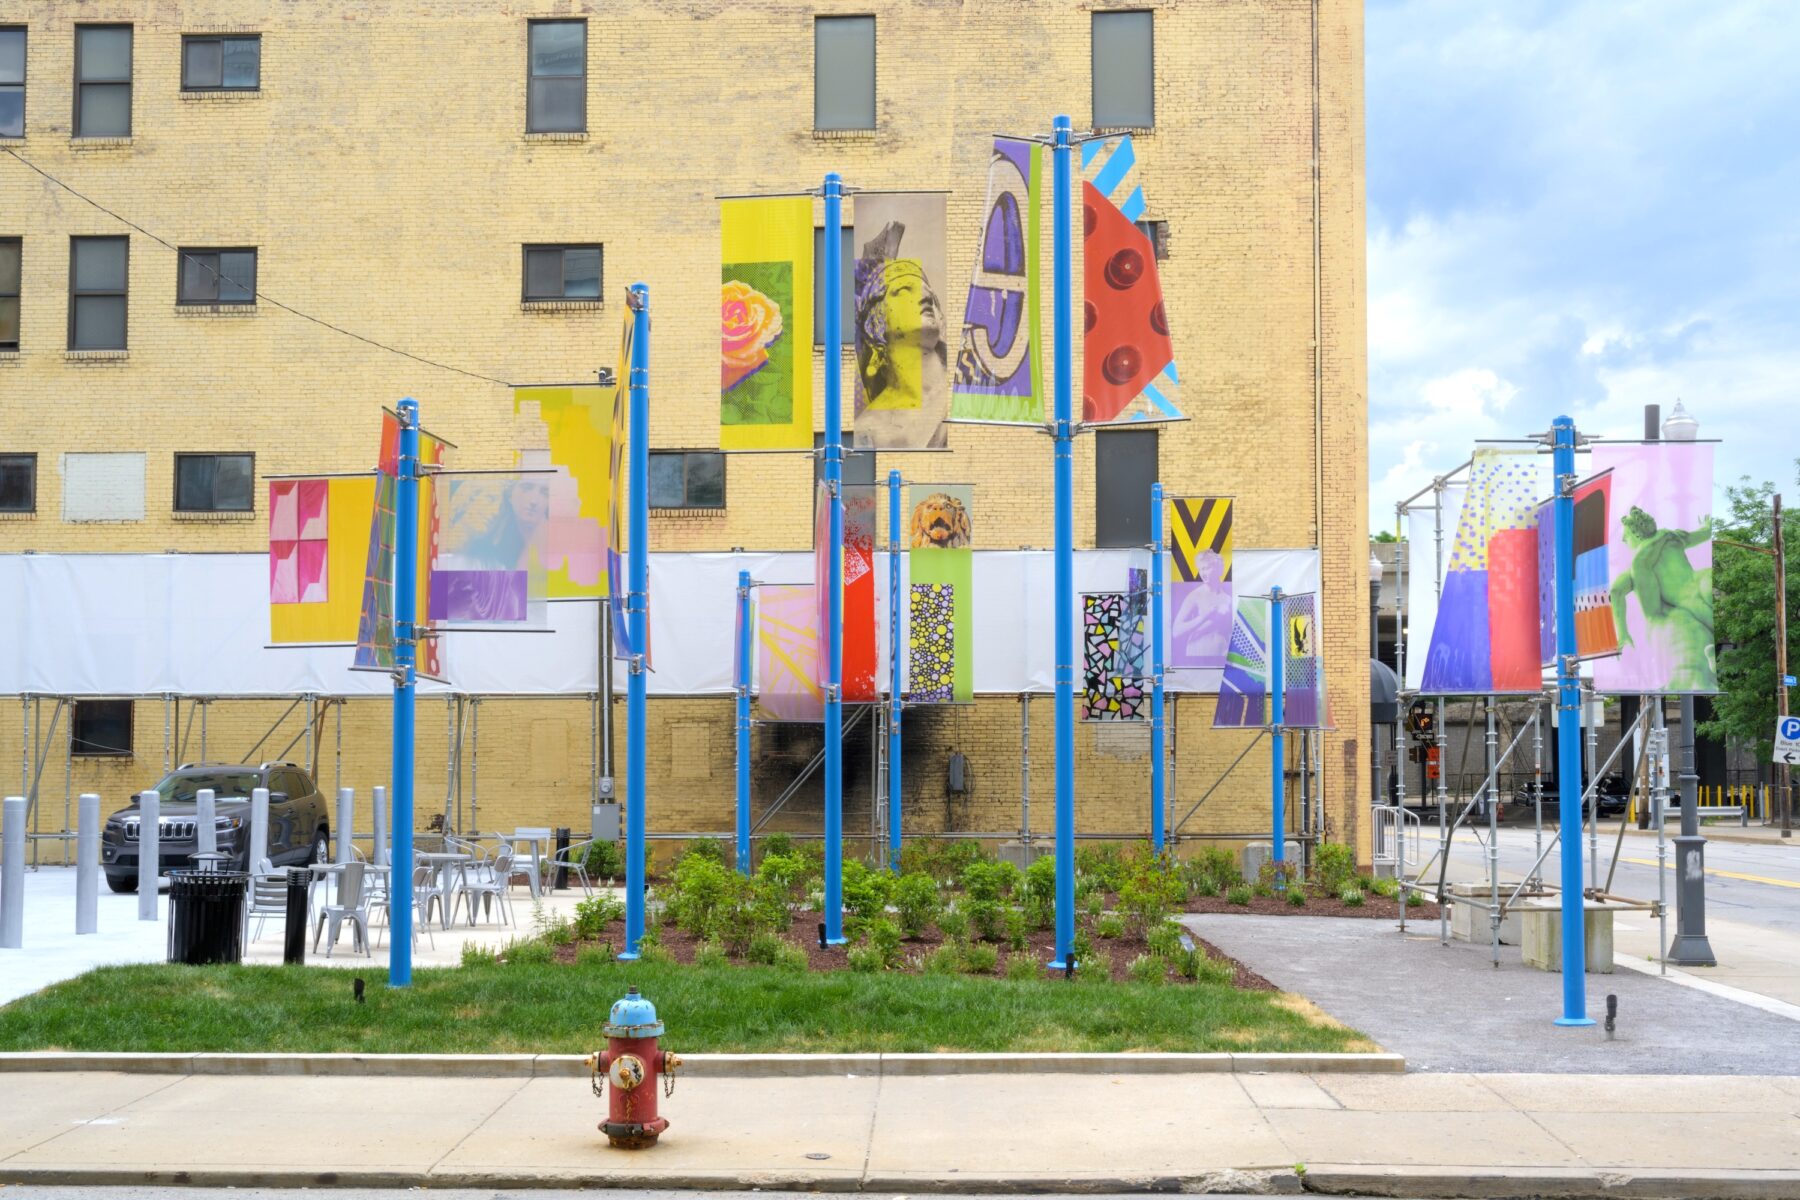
(299, 819)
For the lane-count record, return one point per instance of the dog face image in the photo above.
(940, 522)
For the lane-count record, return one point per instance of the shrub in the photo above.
(884, 939)
(1112, 925)
(1352, 897)
(946, 959)
(1082, 946)
(1145, 899)
(1094, 903)
(1414, 898)
(1220, 864)
(529, 951)
(979, 958)
(1385, 887)
(865, 891)
(710, 954)
(1239, 895)
(866, 959)
(1197, 965)
(915, 897)
(987, 918)
(1296, 896)
(1147, 968)
(705, 889)
(1165, 939)
(791, 958)
(1039, 891)
(1094, 968)
(777, 844)
(1334, 867)
(710, 849)
(594, 956)
(1018, 929)
(954, 921)
(1021, 968)
(1105, 864)
(594, 914)
(604, 860)
(1206, 885)
(990, 880)
(765, 948)
(477, 955)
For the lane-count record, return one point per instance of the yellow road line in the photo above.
(1786, 883)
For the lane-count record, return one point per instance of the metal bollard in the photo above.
(293, 949)
(562, 850)
(149, 852)
(87, 864)
(206, 823)
(12, 873)
(346, 823)
(383, 855)
(259, 829)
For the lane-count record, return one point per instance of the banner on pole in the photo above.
(575, 424)
(1302, 668)
(616, 526)
(940, 653)
(860, 651)
(1594, 634)
(494, 531)
(765, 386)
(902, 344)
(1129, 361)
(1244, 686)
(318, 541)
(1200, 591)
(1659, 602)
(1426, 554)
(375, 623)
(1115, 634)
(999, 367)
(787, 653)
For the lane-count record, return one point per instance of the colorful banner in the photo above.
(318, 539)
(1244, 685)
(576, 424)
(765, 386)
(616, 503)
(375, 622)
(1115, 648)
(940, 658)
(1129, 361)
(999, 367)
(902, 342)
(1302, 670)
(1659, 551)
(1200, 592)
(1594, 633)
(1427, 550)
(787, 653)
(492, 540)
(858, 680)
(1485, 636)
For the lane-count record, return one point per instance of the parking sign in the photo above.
(1787, 740)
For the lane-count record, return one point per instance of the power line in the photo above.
(260, 295)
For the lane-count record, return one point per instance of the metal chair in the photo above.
(573, 859)
(384, 902)
(268, 897)
(352, 906)
(486, 887)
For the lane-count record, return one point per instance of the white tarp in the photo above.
(198, 625)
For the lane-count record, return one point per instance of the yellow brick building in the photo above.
(382, 169)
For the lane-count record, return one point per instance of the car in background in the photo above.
(1520, 809)
(299, 820)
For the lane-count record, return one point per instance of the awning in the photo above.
(1384, 693)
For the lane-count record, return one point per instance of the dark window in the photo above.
(292, 783)
(12, 81)
(101, 729)
(843, 72)
(562, 272)
(18, 483)
(221, 64)
(847, 298)
(1124, 469)
(97, 275)
(1158, 233)
(216, 277)
(11, 250)
(214, 482)
(557, 100)
(687, 479)
(1124, 71)
(103, 81)
(859, 467)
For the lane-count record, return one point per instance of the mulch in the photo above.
(1378, 908)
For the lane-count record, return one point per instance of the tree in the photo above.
(1744, 618)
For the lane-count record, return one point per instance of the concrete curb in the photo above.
(1553, 1183)
(703, 1066)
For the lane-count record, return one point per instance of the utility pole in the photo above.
(1781, 666)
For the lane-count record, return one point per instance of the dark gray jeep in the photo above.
(299, 819)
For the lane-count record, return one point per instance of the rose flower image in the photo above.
(752, 322)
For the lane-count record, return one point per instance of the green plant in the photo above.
(945, 959)
(594, 914)
(705, 889)
(528, 951)
(476, 955)
(710, 849)
(1018, 929)
(954, 921)
(1147, 968)
(1094, 968)
(1146, 899)
(791, 958)
(990, 880)
(866, 959)
(988, 919)
(1296, 896)
(865, 891)
(777, 844)
(1205, 885)
(979, 958)
(1197, 965)
(1385, 887)
(1352, 897)
(1165, 939)
(1334, 867)
(884, 938)
(1093, 903)
(1083, 945)
(915, 898)
(710, 954)
(1112, 925)
(1022, 968)
(1239, 895)
(1414, 898)
(765, 948)
(1220, 864)
(594, 956)
(604, 861)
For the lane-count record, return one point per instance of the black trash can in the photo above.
(206, 916)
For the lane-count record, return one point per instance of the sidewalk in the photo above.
(1754, 834)
(1423, 1135)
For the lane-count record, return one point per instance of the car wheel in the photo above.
(122, 883)
(321, 847)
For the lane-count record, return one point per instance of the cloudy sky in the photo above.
(1581, 207)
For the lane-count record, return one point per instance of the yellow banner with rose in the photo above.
(765, 386)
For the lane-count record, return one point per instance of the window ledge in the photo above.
(215, 310)
(99, 143)
(689, 514)
(569, 135)
(225, 95)
(844, 135)
(1136, 131)
(213, 518)
(96, 356)
(12, 515)
(555, 306)
(10, 358)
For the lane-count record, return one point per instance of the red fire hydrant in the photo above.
(632, 1063)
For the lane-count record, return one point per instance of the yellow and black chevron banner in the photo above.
(1201, 523)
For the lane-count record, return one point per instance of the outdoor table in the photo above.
(539, 839)
(445, 864)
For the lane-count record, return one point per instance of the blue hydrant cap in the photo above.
(633, 1017)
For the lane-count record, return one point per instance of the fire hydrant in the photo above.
(632, 1062)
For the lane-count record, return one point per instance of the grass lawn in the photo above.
(559, 1008)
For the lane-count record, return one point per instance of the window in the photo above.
(10, 252)
(97, 272)
(12, 81)
(216, 277)
(102, 81)
(221, 64)
(847, 294)
(1124, 468)
(215, 483)
(562, 272)
(18, 483)
(557, 97)
(843, 73)
(1124, 71)
(1158, 233)
(687, 479)
(100, 729)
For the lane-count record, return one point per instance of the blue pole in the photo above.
(1568, 733)
(1278, 782)
(1063, 433)
(406, 611)
(636, 616)
(894, 671)
(1156, 667)
(742, 680)
(834, 571)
